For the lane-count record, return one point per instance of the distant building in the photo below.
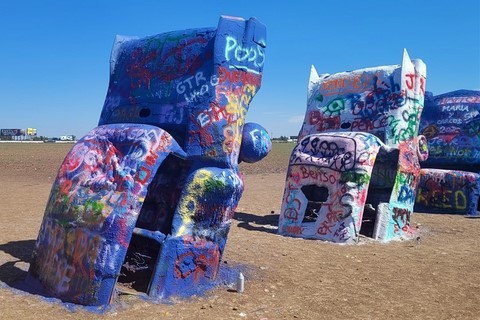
(67, 138)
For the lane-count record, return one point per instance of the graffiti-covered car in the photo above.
(356, 163)
(146, 198)
(450, 180)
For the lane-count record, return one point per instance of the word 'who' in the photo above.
(196, 86)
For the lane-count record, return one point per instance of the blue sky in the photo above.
(54, 55)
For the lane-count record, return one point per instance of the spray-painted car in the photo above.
(146, 198)
(449, 179)
(356, 163)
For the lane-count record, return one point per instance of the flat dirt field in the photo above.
(437, 277)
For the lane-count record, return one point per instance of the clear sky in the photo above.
(54, 55)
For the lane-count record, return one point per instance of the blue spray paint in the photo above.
(147, 197)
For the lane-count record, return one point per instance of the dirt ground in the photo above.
(436, 277)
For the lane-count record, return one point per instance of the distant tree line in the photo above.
(285, 139)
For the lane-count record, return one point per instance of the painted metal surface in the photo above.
(339, 167)
(378, 167)
(93, 206)
(448, 191)
(449, 181)
(451, 124)
(146, 198)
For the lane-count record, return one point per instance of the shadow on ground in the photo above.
(10, 273)
(248, 221)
